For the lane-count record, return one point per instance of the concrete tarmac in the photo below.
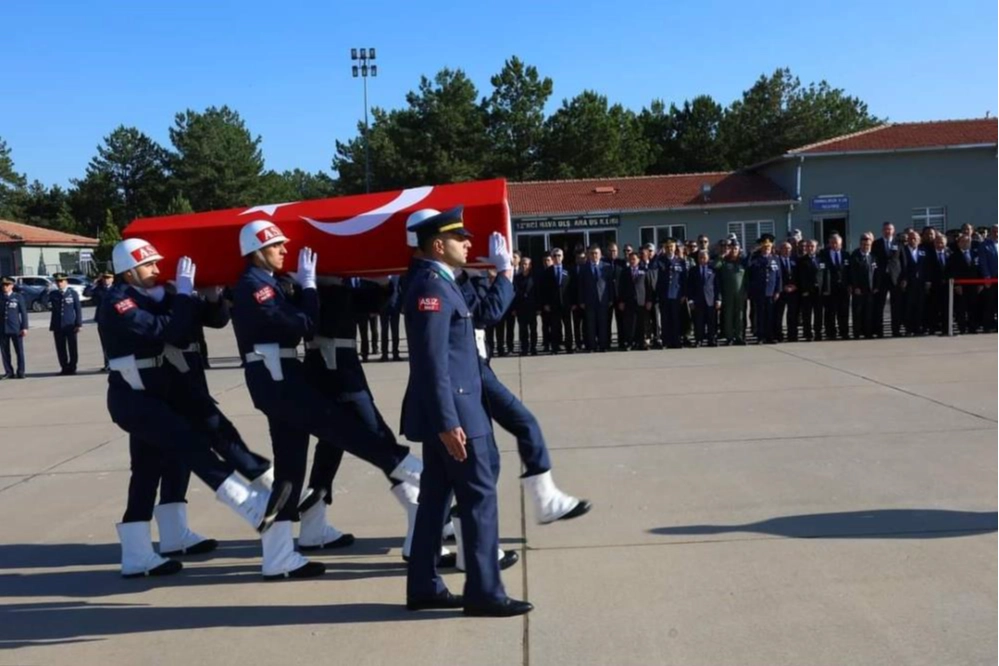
(823, 503)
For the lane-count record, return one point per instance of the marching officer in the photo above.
(137, 321)
(269, 328)
(13, 330)
(67, 318)
(445, 407)
(334, 369)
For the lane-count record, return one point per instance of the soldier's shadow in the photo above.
(52, 623)
(873, 524)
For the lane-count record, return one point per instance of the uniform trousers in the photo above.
(473, 482)
(295, 409)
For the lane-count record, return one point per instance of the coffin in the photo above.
(362, 235)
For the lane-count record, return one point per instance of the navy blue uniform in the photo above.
(703, 290)
(67, 317)
(339, 376)
(487, 302)
(163, 438)
(765, 284)
(445, 392)
(15, 320)
(196, 401)
(263, 315)
(671, 288)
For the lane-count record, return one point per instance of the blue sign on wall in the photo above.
(830, 202)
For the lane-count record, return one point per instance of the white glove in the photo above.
(499, 255)
(306, 275)
(185, 276)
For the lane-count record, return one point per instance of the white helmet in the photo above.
(259, 234)
(414, 219)
(133, 252)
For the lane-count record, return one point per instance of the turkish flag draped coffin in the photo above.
(363, 235)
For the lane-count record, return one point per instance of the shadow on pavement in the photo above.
(875, 524)
(53, 623)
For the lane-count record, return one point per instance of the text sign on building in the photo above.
(567, 223)
(830, 202)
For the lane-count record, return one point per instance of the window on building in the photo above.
(601, 238)
(935, 217)
(533, 246)
(656, 235)
(748, 232)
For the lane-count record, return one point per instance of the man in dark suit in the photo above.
(808, 277)
(790, 299)
(937, 276)
(865, 282)
(618, 266)
(885, 249)
(912, 273)
(558, 301)
(390, 317)
(525, 307)
(964, 264)
(703, 291)
(834, 263)
(636, 293)
(596, 298)
(546, 316)
(365, 302)
(577, 309)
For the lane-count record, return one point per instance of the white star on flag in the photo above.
(267, 209)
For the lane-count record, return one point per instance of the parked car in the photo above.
(79, 284)
(35, 290)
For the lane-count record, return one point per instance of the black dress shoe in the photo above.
(443, 601)
(344, 541)
(307, 570)
(200, 548)
(580, 509)
(2, 377)
(396, 357)
(506, 608)
(168, 568)
(510, 557)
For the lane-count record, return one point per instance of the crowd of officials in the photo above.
(682, 294)
(698, 294)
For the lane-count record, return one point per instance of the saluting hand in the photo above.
(454, 441)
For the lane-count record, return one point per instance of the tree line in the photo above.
(444, 133)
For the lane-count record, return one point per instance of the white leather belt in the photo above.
(283, 352)
(128, 368)
(328, 346)
(176, 356)
(480, 343)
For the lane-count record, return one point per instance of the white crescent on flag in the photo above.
(365, 222)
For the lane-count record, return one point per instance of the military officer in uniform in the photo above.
(334, 369)
(13, 330)
(764, 289)
(445, 408)
(137, 321)
(733, 283)
(98, 290)
(671, 291)
(269, 328)
(67, 318)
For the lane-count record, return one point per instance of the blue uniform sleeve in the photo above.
(489, 308)
(173, 329)
(779, 281)
(429, 317)
(78, 306)
(22, 310)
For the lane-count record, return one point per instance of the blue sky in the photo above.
(75, 70)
